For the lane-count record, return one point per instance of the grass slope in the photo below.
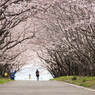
(4, 80)
(78, 80)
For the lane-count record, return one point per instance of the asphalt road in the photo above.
(42, 88)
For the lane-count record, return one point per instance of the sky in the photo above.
(24, 72)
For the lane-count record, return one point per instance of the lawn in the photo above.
(4, 80)
(78, 80)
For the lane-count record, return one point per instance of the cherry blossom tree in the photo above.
(69, 42)
(14, 13)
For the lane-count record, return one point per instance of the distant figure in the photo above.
(29, 76)
(37, 74)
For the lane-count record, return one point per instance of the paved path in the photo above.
(42, 88)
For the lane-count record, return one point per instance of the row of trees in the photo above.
(66, 34)
(14, 13)
(10, 16)
(68, 37)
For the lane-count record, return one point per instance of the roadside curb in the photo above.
(77, 86)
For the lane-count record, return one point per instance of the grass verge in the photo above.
(4, 80)
(78, 80)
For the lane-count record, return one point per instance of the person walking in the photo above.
(37, 74)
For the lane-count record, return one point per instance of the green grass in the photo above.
(78, 80)
(4, 80)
